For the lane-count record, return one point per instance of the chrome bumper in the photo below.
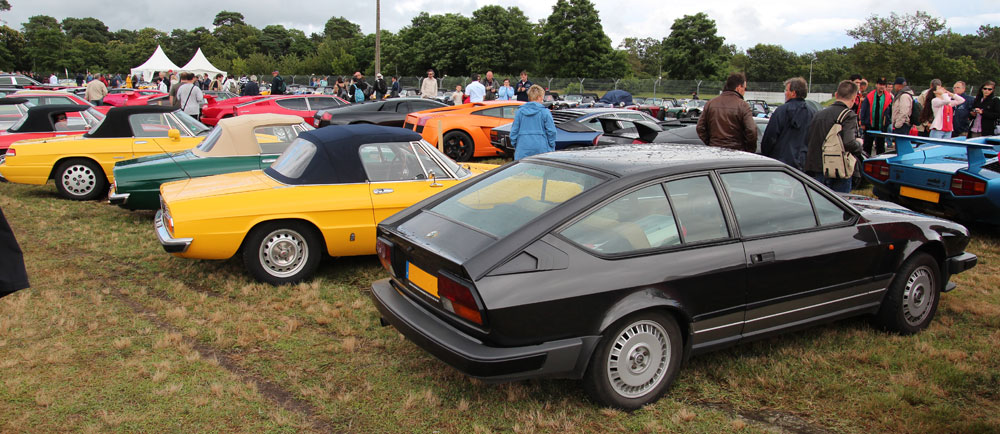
(169, 243)
(116, 198)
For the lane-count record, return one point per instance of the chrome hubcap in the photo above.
(283, 253)
(639, 358)
(79, 180)
(918, 296)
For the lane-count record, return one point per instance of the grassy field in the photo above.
(116, 335)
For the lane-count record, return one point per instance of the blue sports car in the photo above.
(575, 127)
(955, 178)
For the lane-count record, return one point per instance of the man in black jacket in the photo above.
(820, 126)
(251, 88)
(785, 136)
(380, 87)
(277, 84)
(13, 276)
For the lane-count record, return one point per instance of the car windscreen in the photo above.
(197, 128)
(512, 197)
(210, 140)
(293, 162)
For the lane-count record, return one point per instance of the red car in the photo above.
(42, 122)
(221, 109)
(298, 105)
(49, 97)
(124, 96)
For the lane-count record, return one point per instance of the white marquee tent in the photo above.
(157, 62)
(200, 65)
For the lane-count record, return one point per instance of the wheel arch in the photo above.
(61, 160)
(935, 249)
(647, 300)
(302, 220)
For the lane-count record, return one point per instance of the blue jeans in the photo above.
(837, 185)
(937, 134)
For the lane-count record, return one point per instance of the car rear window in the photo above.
(509, 199)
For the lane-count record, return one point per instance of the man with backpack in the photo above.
(359, 90)
(904, 106)
(277, 84)
(833, 139)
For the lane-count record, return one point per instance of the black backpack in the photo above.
(915, 111)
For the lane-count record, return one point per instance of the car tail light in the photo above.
(11, 152)
(327, 116)
(638, 142)
(383, 249)
(597, 139)
(878, 169)
(963, 184)
(458, 299)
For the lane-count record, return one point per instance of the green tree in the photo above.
(12, 49)
(645, 56)
(228, 19)
(693, 49)
(4, 5)
(437, 41)
(275, 40)
(576, 45)
(338, 28)
(771, 63)
(897, 45)
(89, 29)
(502, 40)
(44, 42)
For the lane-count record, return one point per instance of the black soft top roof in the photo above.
(40, 118)
(10, 100)
(337, 160)
(116, 124)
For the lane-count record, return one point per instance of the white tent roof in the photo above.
(200, 65)
(157, 62)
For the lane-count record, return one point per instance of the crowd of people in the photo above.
(801, 136)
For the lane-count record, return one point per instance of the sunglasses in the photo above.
(988, 88)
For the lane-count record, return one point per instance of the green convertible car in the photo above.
(236, 144)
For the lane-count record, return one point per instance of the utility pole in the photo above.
(811, 74)
(378, 36)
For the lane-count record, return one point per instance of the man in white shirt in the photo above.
(190, 96)
(53, 79)
(475, 90)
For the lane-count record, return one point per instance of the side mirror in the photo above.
(174, 134)
(433, 178)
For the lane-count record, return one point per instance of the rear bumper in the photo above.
(169, 243)
(566, 358)
(981, 208)
(116, 198)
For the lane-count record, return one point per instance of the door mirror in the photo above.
(433, 178)
(174, 134)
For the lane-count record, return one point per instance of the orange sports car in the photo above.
(464, 129)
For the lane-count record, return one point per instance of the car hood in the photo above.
(218, 185)
(48, 140)
(479, 168)
(881, 211)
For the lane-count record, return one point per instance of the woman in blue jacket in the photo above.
(533, 131)
(505, 92)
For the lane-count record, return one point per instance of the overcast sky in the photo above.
(796, 25)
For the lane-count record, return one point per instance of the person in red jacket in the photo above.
(875, 114)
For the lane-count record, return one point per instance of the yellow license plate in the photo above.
(422, 279)
(917, 193)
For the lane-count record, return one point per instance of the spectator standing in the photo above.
(216, 84)
(90, 77)
(395, 89)
(129, 81)
(53, 79)
(277, 83)
(96, 91)
(13, 275)
(243, 82)
(103, 79)
(358, 84)
(323, 82)
(380, 87)
(190, 96)
(785, 137)
(875, 111)
(174, 80)
(902, 106)
(80, 78)
(985, 111)
(939, 112)
(533, 131)
(505, 92)
(821, 124)
(475, 90)
(960, 125)
(727, 120)
(694, 95)
(521, 89)
(429, 85)
(457, 95)
(491, 85)
(159, 84)
(251, 88)
(857, 79)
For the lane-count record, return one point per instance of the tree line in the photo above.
(570, 42)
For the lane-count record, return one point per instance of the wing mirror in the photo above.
(433, 178)
(174, 134)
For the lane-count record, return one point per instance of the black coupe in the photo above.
(391, 112)
(615, 264)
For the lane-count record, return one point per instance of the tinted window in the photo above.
(149, 125)
(32, 99)
(60, 100)
(697, 209)
(296, 158)
(23, 81)
(416, 106)
(495, 112)
(293, 103)
(509, 111)
(391, 162)
(768, 202)
(317, 103)
(639, 220)
(826, 211)
(510, 198)
(274, 139)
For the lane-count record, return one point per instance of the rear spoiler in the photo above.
(973, 147)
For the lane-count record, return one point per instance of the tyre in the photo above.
(912, 298)
(636, 361)
(80, 179)
(282, 252)
(459, 146)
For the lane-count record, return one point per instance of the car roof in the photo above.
(625, 160)
(42, 92)
(336, 160)
(238, 137)
(10, 100)
(39, 118)
(116, 124)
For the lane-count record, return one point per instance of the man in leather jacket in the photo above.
(727, 120)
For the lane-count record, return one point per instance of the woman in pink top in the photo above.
(934, 113)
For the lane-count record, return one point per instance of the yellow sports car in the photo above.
(82, 166)
(326, 192)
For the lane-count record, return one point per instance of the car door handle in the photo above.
(141, 142)
(762, 257)
(269, 160)
(382, 191)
